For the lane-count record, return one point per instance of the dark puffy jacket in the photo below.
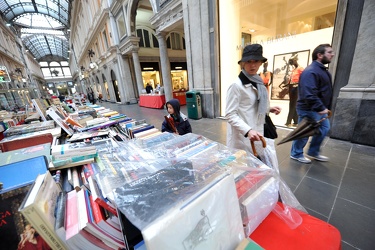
(315, 88)
(180, 120)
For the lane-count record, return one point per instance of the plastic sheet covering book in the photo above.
(210, 219)
(148, 183)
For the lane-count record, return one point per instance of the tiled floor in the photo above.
(340, 192)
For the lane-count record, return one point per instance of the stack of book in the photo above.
(16, 178)
(28, 128)
(71, 219)
(72, 154)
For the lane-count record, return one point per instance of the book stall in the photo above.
(103, 180)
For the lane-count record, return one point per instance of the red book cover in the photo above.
(98, 231)
(98, 198)
(100, 220)
(15, 231)
(247, 182)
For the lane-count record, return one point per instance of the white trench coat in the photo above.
(242, 115)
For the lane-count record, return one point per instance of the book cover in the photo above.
(60, 121)
(62, 162)
(94, 229)
(20, 174)
(12, 224)
(25, 153)
(88, 135)
(91, 241)
(39, 209)
(69, 150)
(41, 108)
(98, 197)
(28, 128)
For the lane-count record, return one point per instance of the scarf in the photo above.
(263, 104)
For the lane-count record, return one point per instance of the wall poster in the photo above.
(282, 70)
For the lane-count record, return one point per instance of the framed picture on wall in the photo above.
(282, 71)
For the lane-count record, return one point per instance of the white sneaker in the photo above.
(319, 157)
(301, 159)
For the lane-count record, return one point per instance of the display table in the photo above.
(152, 101)
(181, 96)
(313, 233)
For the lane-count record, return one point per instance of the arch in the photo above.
(61, 14)
(176, 41)
(134, 4)
(56, 46)
(115, 86)
(147, 37)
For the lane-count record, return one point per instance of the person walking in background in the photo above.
(176, 121)
(247, 101)
(293, 91)
(314, 102)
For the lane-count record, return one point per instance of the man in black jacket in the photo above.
(314, 101)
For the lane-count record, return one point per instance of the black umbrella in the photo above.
(307, 127)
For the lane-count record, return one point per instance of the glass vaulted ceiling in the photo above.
(43, 25)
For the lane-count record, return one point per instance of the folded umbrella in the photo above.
(307, 127)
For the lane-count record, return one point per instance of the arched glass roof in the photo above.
(43, 24)
(43, 45)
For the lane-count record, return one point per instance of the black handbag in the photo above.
(269, 128)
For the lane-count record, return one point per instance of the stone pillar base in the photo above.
(354, 116)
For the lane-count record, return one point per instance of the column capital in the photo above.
(131, 44)
(160, 34)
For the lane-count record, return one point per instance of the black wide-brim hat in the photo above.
(253, 52)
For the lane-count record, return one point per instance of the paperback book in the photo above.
(39, 209)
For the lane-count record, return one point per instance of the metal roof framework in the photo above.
(44, 25)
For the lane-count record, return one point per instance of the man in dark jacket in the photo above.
(314, 102)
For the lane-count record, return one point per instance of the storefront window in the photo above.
(150, 74)
(284, 28)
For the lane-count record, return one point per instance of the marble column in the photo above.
(126, 80)
(354, 116)
(165, 66)
(138, 71)
(201, 53)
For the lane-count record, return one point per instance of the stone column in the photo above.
(200, 53)
(137, 69)
(126, 80)
(165, 66)
(354, 115)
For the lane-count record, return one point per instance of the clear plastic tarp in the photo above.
(150, 179)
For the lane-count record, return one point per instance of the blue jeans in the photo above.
(316, 141)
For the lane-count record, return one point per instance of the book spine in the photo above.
(76, 179)
(87, 168)
(60, 211)
(98, 198)
(106, 206)
(33, 215)
(71, 216)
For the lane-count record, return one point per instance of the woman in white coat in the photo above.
(247, 101)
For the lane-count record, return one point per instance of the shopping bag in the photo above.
(265, 151)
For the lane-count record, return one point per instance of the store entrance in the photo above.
(115, 86)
